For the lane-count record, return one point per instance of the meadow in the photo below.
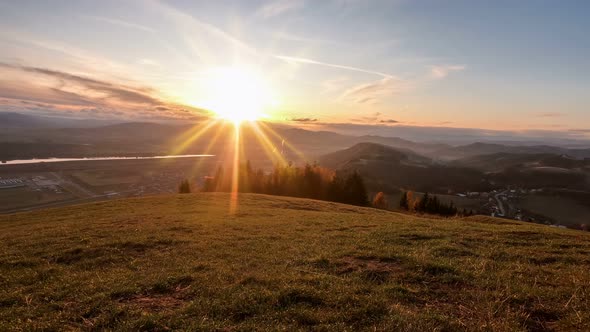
(183, 262)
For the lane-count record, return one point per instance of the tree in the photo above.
(403, 202)
(424, 203)
(380, 202)
(184, 187)
(356, 192)
(310, 181)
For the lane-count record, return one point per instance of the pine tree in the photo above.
(403, 202)
(184, 187)
(356, 192)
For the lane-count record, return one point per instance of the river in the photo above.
(58, 160)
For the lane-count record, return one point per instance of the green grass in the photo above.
(182, 262)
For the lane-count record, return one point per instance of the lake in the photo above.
(58, 160)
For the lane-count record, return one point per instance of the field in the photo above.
(182, 262)
(565, 211)
(99, 178)
(23, 196)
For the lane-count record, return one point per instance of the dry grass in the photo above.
(182, 262)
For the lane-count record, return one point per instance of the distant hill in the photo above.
(184, 263)
(32, 121)
(477, 149)
(292, 143)
(531, 170)
(500, 161)
(17, 120)
(365, 152)
(389, 169)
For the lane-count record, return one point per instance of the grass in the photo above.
(181, 262)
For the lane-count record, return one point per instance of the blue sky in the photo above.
(517, 65)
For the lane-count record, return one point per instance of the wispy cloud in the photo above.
(327, 64)
(370, 92)
(121, 23)
(205, 40)
(282, 35)
(442, 71)
(304, 120)
(61, 91)
(279, 7)
(550, 115)
(334, 84)
(110, 90)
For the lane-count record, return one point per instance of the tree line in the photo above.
(313, 181)
(310, 181)
(429, 204)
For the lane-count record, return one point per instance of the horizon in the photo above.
(377, 67)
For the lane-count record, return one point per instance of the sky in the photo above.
(493, 65)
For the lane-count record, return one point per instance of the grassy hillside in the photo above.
(181, 262)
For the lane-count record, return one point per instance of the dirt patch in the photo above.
(452, 252)
(168, 295)
(354, 227)
(374, 269)
(299, 297)
(420, 237)
(109, 253)
(154, 303)
(540, 319)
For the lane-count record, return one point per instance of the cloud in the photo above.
(121, 23)
(206, 41)
(438, 72)
(373, 119)
(108, 90)
(331, 85)
(279, 7)
(550, 115)
(46, 90)
(314, 62)
(372, 91)
(304, 120)
(282, 35)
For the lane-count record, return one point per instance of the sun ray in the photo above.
(233, 204)
(218, 133)
(269, 148)
(193, 135)
(299, 154)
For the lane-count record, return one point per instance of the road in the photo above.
(501, 203)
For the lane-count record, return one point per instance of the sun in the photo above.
(238, 94)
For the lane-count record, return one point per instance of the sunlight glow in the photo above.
(238, 94)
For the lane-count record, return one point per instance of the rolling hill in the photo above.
(479, 148)
(181, 262)
(531, 170)
(500, 161)
(387, 169)
(64, 137)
